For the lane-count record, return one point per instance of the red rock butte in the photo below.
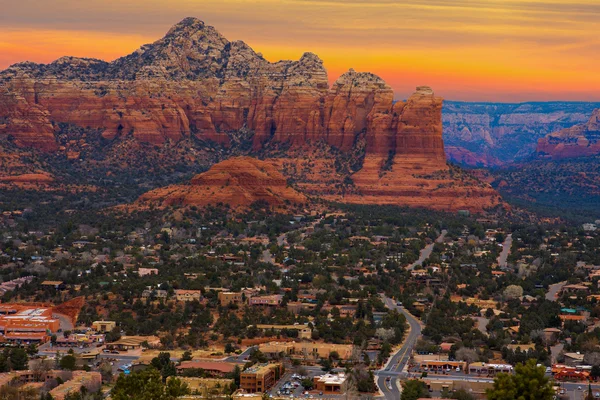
(194, 82)
(238, 181)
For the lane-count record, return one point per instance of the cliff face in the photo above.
(350, 142)
(495, 134)
(578, 141)
(238, 181)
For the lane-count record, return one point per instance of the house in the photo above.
(157, 294)
(304, 331)
(330, 383)
(573, 359)
(227, 298)
(188, 295)
(307, 350)
(272, 300)
(104, 326)
(58, 285)
(133, 343)
(147, 271)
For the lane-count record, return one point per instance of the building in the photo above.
(481, 368)
(79, 340)
(227, 298)
(157, 294)
(92, 381)
(147, 271)
(188, 295)
(304, 331)
(573, 359)
(272, 300)
(26, 324)
(297, 307)
(307, 350)
(261, 377)
(133, 343)
(58, 285)
(104, 326)
(330, 383)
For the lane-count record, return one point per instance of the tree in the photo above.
(19, 359)
(147, 385)
(186, 356)
(68, 362)
(164, 364)
(466, 354)
(414, 389)
(528, 382)
(513, 292)
(307, 383)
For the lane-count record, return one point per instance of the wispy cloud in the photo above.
(488, 49)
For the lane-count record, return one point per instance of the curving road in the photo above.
(506, 246)
(427, 250)
(393, 369)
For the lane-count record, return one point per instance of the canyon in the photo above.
(498, 134)
(581, 140)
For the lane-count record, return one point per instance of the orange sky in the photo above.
(487, 50)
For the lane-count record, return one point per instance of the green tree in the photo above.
(528, 382)
(68, 362)
(19, 359)
(147, 385)
(414, 389)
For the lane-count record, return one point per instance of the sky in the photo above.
(471, 50)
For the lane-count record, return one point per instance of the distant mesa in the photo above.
(579, 141)
(238, 182)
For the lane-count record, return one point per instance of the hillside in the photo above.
(569, 187)
(239, 182)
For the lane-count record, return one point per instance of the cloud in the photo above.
(547, 47)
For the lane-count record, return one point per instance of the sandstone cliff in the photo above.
(578, 141)
(238, 181)
(350, 142)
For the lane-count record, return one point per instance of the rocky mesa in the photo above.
(348, 142)
(579, 141)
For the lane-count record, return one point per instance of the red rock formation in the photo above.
(578, 141)
(40, 178)
(466, 157)
(194, 82)
(238, 181)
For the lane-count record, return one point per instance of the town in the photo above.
(363, 302)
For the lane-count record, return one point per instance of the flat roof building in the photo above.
(261, 377)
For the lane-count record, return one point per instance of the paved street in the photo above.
(506, 246)
(553, 290)
(427, 250)
(387, 377)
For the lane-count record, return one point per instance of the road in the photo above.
(268, 258)
(242, 357)
(553, 290)
(506, 246)
(398, 361)
(65, 322)
(427, 250)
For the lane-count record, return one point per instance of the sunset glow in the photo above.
(491, 50)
